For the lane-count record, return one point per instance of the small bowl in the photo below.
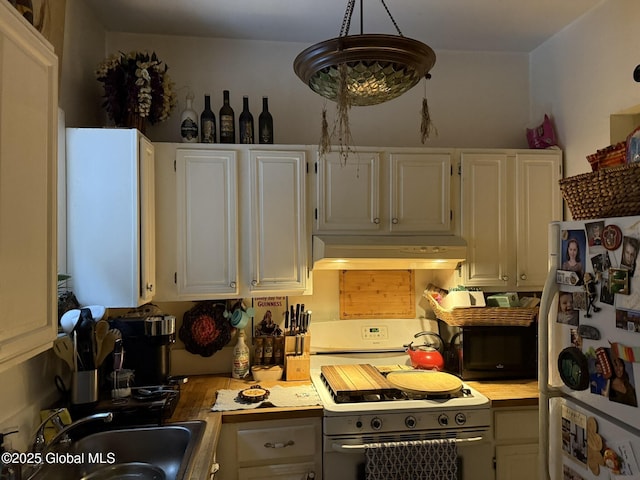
(266, 373)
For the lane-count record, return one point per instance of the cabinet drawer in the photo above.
(276, 443)
(284, 471)
(516, 424)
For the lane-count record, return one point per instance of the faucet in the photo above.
(38, 441)
(40, 445)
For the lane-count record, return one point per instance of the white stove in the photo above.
(350, 426)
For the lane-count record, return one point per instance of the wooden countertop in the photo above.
(198, 395)
(508, 393)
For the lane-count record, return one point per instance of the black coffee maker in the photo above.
(147, 342)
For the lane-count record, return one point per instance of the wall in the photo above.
(476, 99)
(584, 74)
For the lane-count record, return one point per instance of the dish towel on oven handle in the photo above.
(412, 460)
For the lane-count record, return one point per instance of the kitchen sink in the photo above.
(164, 452)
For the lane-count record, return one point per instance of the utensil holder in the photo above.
(84, 387)
(297, 366)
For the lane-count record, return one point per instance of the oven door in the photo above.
(344, 458)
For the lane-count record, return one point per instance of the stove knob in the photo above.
(410, 422)
(376, 423)
(443, 420)
(461, 418)
(359, 424)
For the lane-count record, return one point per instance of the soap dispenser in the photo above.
(8, 471)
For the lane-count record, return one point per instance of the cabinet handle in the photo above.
(150, 287)
(394, 221)
(254, 283)
(523, 276)
(376, 220)
(279, 444)
(232, 284)
(505, 278)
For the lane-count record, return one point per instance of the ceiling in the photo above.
(481, 25)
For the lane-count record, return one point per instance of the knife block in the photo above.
(297, 367)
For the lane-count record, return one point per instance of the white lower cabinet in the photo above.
(289, 449)
(516, 439)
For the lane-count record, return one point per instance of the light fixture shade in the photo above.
(379, 67)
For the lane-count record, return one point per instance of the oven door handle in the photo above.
(359, 448)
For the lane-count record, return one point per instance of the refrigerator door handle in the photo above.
(549, 291)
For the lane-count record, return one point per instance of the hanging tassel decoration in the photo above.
(325, 141)
(426, 126)
(341, 126)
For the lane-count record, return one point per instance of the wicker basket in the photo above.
(610, 192)
(611, 156)
(483, 316)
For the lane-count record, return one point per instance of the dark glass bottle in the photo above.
(265, 123)
(227, 121)
(207, 122)
(245, 122)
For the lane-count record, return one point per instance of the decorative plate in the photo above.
(254, 394)
(204, 329)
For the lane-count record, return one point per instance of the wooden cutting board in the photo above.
(425, 382)
(354, 380)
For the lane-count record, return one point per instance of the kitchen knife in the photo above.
(297, 317)
(292, 319)
(286, 321)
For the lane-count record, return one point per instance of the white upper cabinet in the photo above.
(278, 233)
(110, 216)
(391, 191)
(207, 228)
(349, 193)
(231, 222)
(508, 200)
(420, 186)
(28, 152)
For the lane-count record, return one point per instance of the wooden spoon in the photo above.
(63, 348)
(107, 344)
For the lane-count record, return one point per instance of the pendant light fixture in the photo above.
(361, 70)
(375, 67)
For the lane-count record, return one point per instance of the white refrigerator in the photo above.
(589, 352)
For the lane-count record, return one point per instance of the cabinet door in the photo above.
(420, 196)
(485, 219)
(207, 224)
(538, 203)
(28, 145)
(285, 471)
(108, 212)
(147, 220)
(517, 461)
(348, 193)
(278, 234)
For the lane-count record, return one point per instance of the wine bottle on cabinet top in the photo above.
(245, 122)
(265, 123)
(189, 122)
(207, 122)
(227, 121)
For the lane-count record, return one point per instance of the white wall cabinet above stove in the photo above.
(28, 146)
(231, 222)
(386, 191)
(110, 216)
(508, 199)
